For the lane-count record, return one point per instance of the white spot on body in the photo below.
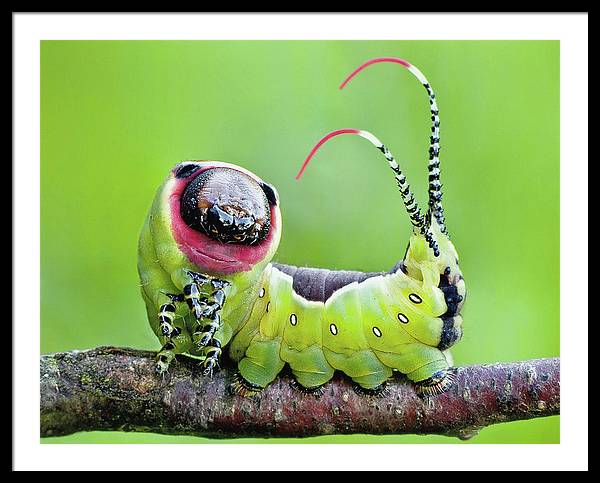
(293, 319)
(403, 318)
(333, 329)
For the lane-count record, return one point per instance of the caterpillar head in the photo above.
(223, 217)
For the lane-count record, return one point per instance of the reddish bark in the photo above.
(116, 389)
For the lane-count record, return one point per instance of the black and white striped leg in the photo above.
(206, 310)
(165, 357)
(212, 352)
(206, 331)
(194, 300)
(166, 316)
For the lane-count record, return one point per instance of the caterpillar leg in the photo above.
(427, 367)
(205, 297)
(309, 367)
(433, 378)
(316, 391)
(166, 316)
(176, 340)
(178, 344)
(438, 383)
(363, 367)
(377, 391)
(259, 366)
(242, 387)
(164, 357)
(205, 331)
(373, 383)
(212, 352)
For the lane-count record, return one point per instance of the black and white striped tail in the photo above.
(411, 205)
(435, 187)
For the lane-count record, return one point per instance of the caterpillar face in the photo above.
(226, 205)
(223, 217)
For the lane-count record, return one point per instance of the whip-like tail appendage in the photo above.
(410, 203)
(435, 188)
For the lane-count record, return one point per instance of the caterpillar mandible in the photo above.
(208, 282)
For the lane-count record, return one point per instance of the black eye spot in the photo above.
(270, 192)
(185, 170)
(414, 298)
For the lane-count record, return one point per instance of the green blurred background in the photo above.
(117, 115)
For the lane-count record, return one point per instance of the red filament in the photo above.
(320, 143)
(395, 60)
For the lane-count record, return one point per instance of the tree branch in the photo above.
(114, 389)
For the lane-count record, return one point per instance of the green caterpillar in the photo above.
(207, 280)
